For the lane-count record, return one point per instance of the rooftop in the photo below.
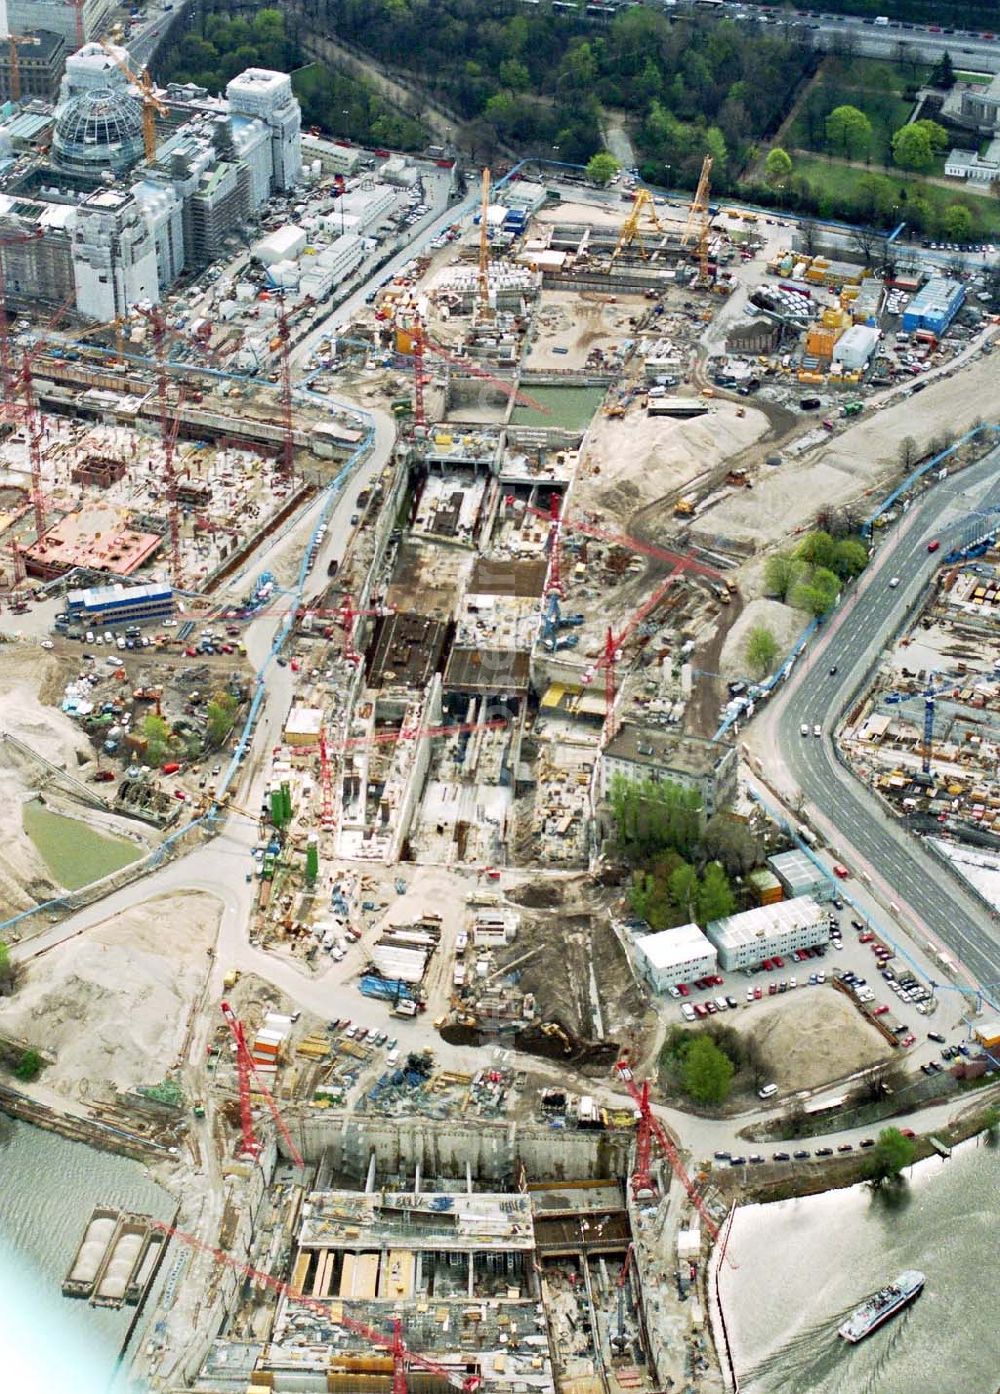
(407, 650)
(674, 946)
(764, 921)
(672, 750)
(479, 671)
(100, 538)
(356, 1220)
(796, 868)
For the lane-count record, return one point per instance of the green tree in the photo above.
(652, 816)
(782, 573)
(728, 839)
(602, 167)
(850, 558)
(816, 592)
(912, 149)
(219, 713)
(957, 222)
(715, 895)
(6, 967)
(991, 1124)
(849, 132)
(29, 1066)
(943, 73)
(889, 1158)
(684, 890)
(715, 143)
(818, 548)
(762, 650)
(707, 1072)
(156, 733)
(777, 167)
(515, 75)
(936, 134)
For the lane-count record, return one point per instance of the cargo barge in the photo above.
(121, 1262)
(88, 1262)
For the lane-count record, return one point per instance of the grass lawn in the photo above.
(840, 182)
(876, 88)
(975, 79)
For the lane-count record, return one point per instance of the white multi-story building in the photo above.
(268, 97)
(745, 940)
(675, 956)
(114, 255)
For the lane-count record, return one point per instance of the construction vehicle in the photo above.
(684, 508)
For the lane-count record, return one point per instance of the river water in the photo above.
(804, 1265)
(49, 1188)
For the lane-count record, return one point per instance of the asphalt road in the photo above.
(869, 841)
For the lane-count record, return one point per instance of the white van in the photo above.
(768, 1092)
(392, 1057)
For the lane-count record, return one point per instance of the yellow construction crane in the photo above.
(699, 219)
(484, 307)
(151, 104)
(631, 228)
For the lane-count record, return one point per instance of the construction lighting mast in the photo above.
(7, 373)
(245, 1070)
(485, 309)
(151, 104)
(158, 326)
(648, 1129)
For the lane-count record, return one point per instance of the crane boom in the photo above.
(151, 104)
(649, 1128)
(243, 1053)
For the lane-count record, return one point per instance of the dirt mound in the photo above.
(812, 1036)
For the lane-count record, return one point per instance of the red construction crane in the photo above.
(400, 733)
(325, 781)
(287, 417)
(246, 1068)
(333, 1312)
(158, 326)
(614, 645)
(421, 344)
(348, 617)
(553, 582)
(7, 374)
(649, 1129)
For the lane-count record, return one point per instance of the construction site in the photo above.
(925, 735)
(344, 581)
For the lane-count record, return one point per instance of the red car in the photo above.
(908, 1132)
(933, 545)
(190, 653)
(908, 1040)
(683, 989)
(841, 871)
(758, 993)
(866, 938)
(778, 962)
(880, 1010)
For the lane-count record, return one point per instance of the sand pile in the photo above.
(811, 1036)
(113, 1004)
(642, 458)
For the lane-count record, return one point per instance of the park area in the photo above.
(847, 160)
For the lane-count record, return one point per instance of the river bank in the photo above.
(799, 1267)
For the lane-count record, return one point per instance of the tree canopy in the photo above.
(762, 650)
(849, 132)
(602, 167)
(707, 1073)
(890, 1157)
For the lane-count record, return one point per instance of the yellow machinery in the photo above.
(151, 104)
(632, 227)
(699, 220)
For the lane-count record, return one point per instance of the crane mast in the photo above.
(484, 307)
